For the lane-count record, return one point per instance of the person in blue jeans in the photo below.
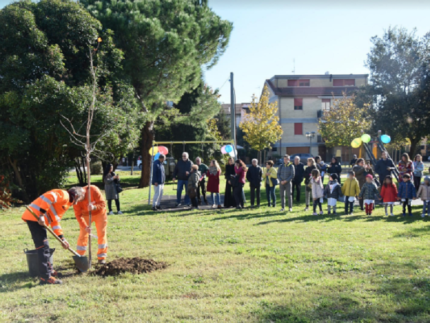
(181, 173)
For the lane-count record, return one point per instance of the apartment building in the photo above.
(240, 110)
(301, 101)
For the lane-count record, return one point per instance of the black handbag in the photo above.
(275, 181)
(118, 187)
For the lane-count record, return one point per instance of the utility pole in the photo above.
(233, 111)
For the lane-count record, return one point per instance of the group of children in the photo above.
(350, 190)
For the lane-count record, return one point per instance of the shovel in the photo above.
(80, 261)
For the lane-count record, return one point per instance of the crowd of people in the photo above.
(361, 183)
(200, 179)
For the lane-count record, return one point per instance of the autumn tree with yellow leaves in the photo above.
(261, 124)
(343, 122)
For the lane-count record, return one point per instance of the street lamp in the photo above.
(310, 135)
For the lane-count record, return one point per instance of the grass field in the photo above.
(254, 265)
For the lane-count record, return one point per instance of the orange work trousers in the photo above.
(101, 225)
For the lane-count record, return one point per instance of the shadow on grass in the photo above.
(248, 216)
(146, 210)
(15, 281)
(347, 218)
(394, 300)
(20, 280)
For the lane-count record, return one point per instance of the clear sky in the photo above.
(323, 35)
(320, 35)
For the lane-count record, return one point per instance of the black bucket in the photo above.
(33, 261)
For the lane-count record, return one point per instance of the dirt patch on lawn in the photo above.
(131, 265)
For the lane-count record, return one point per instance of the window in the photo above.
(342, 82)
(298, 104)
(298, 128)
(326, 104)
(298, 82)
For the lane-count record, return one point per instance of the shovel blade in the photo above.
(82, 263)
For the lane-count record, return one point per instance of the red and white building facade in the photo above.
(301, 101)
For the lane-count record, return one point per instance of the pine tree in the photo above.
(191, 121)
(397, 94)
(165, 44)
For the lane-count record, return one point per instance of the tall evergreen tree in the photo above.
(189, 122)
(165, 45)
(44, 70)
(398, 61)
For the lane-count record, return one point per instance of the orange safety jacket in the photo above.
(55, 203)
(81, 208)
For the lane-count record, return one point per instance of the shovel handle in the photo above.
(52, 232)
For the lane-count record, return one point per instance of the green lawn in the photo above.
(231, 266)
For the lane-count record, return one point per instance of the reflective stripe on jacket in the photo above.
(55, 203)
(81, 208)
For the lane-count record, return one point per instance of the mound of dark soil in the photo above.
(132, 265)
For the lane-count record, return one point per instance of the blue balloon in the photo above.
(385, 139)
(228, 148)
(156, 156)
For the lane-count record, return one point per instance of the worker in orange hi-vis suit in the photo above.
(50, 208)
(98, 216)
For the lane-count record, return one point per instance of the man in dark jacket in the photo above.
(335, 168)
(384, 167)
(182, 172)
(158, 179)
(299, 170)
(254, 176)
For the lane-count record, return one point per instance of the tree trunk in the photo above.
(145, 144)
(414, 147)
(18, 178)
(84, 170)
(79, 172)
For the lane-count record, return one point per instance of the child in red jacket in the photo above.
(389, 194)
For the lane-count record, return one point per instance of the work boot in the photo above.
(55, 273)
(50, 281)
(102, 261)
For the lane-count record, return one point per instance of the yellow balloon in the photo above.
(155, 151)
(356, 143)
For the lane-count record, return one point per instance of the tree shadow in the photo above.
(407, 302)
(146, 210)
(348, 218)
(249, 216)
